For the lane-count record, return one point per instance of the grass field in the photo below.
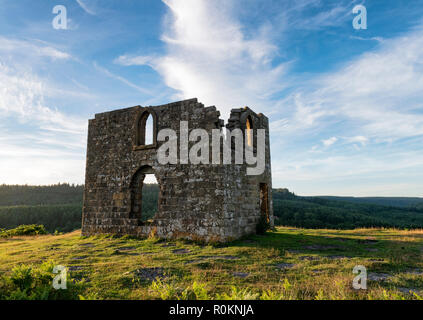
(287, 263)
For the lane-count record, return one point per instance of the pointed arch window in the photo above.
(145, 136)
(249, 128)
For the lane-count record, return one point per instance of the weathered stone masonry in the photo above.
(199, 202)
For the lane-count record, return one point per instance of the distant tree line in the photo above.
(150, 198)
(406, 202)
(16, 195)
(59, 207)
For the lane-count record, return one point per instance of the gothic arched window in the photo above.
(249, 128)
(145, 129)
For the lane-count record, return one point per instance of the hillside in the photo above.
(288, 263)
(314, 212)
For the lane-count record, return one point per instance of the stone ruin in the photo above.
(205, 202)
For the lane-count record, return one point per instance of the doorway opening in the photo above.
(264, 201)
(144, 195)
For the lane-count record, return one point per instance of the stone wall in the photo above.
(200, 202)
(242, 193)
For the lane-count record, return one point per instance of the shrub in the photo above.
(285, 292)
(238, 294)
(24, 230)
(22, 277)
(165, 291)
(197, 291)
(36, 283)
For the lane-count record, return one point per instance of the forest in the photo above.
(58, 207)
(318, 212)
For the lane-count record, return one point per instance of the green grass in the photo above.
(106, 270)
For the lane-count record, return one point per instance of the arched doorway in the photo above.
(144, 194)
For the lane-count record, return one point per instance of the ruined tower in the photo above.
(210, 202)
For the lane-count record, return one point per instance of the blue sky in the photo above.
(345, 105)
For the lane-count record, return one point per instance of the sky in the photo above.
(345, 105)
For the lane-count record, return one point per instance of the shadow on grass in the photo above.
(396, 255)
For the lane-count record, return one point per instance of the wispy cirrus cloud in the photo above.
(126, 60)
(334, 16)
(86, 7)
(33, 128)
(46, 145)
(375, 105)
(365, 106)
(214, 61)
(34, 47)
(377, 95)
(372, 99)
(206, 60)
(121, 79)
(22, 95)
(378, 39)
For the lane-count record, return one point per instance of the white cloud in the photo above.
(374, 98)
(312, 15)
(378, 39)
(330, 18)
(378, 94)
(133, 60)
(32, 47)
(210, 57)
(46, 168)
(358, 139)
(121, 79)
(355, 175)
(22, 95)
(39, 144)
(329, 142)
(86, 8)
